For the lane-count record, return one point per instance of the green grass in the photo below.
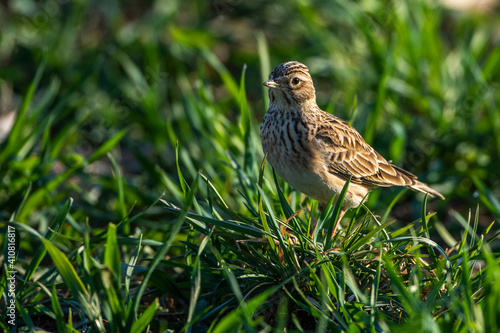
(141, 199)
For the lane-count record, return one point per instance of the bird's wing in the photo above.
(347, 154)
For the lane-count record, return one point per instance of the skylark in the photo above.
(316, 152)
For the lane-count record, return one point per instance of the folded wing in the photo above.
(347, 154)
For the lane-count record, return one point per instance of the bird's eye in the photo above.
(295, 80)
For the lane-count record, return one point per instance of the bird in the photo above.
(316, 152)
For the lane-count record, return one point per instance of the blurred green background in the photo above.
(116, 103)
(419, 82)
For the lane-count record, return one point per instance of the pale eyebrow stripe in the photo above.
(296, 71)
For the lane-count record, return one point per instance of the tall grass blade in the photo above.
(196, 283)
(334, 221)
(119, 184)
(145, 319)
(106, 146)
(14, 140)
(52, 232)
(56, 307)
(130, 269)
(265, 64)
(160, 255)
(112, 253)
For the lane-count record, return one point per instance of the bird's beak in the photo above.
(271, 84)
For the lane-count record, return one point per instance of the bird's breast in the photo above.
(289, 152)
(296, 157)
(284, 139)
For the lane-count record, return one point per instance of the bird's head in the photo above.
(291, 83)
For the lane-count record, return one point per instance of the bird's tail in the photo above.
(410, 181)
(421, 187)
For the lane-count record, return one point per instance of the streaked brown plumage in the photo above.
(316, 152)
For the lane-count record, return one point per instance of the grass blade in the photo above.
(143, 321)
(160, 255)
(106, 146)
(14, 141)
(53, 230)
(334, 221)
